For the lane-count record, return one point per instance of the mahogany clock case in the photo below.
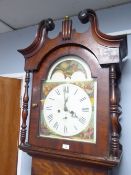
(103, 54)
(102, 126)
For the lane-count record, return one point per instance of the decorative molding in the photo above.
(84, 159)
(115, 113)
(66, 28)
(124, 32)
(25, 109)
(44, 27)
(89, 15)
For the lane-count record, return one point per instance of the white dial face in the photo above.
(67, 110)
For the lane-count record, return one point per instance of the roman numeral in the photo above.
(50, 117)
(82, 99)
(56, 125)
(82, 120)
(51, 98)
(65, 129)
(57, 92)
(75, 127)
(48, 107)
(85, 109)
(66, 89)
(75, 91)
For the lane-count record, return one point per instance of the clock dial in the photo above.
(68, 101)
(67, 110)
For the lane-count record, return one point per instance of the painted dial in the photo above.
(67, 110)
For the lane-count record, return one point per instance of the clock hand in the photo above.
(73, 114)
(65, 100)
(65, 106)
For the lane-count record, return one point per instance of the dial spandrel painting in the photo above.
(68, 102)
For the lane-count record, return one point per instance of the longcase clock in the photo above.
(74, 124)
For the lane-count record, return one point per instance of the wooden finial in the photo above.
(66, 18)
